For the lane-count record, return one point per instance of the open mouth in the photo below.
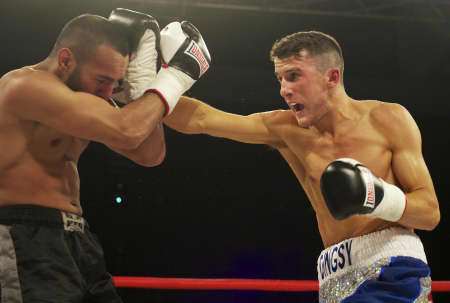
(297, 107)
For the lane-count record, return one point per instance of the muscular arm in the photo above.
(192, 116)
(43, 98)
(151, 152)
(410, 170)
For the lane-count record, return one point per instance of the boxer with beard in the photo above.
(49, 112)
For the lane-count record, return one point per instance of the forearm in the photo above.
(187, 116)
(421, 211)
(193, 116)
(151, 152)
(140, 119)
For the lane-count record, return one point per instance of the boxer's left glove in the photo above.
(350, 188)
(143, 35)
(186, 59)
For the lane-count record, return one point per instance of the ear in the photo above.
(66, 61)
(334, 77)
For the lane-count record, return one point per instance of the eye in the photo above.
(292, 76)
(100, 81)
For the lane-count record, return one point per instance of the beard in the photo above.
(74, 81)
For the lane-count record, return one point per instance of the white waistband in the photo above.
(73, 222)
(365, 250)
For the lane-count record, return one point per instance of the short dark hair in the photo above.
(315, 43)
(83, 34)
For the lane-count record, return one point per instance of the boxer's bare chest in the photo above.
(51, 146)
(309, 153)
(41, 167)
(35, 149)
(366, 146)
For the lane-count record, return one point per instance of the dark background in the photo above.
(219, 209)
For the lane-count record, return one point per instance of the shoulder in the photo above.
(11, 84)
(27, 77)
(382, 109)
(393, 120)
(388, 114)
(379, 109)
(25, 83)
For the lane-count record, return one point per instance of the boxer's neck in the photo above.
(50, 65)
(340, 109)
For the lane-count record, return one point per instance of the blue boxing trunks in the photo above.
(385, 266)
(47, 255)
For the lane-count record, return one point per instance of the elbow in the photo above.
(152, 159)
(434, 217)
(129, 138)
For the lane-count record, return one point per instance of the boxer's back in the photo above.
(38, 164)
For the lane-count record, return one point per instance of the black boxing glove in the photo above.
(186, 59)
(350, 188)
(143, 35)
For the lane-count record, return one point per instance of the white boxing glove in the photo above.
(186, 59)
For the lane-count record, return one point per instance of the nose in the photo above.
(285, 90)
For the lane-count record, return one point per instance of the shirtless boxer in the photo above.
(371, 251)
(49, 112)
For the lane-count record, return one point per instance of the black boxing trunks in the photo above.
(385, 266)
(47, 255)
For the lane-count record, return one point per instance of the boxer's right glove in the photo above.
(186, 59)
(350, 188)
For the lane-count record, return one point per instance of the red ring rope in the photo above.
(234, 284)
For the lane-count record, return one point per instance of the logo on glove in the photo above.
(194, 51)
(370, 187)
